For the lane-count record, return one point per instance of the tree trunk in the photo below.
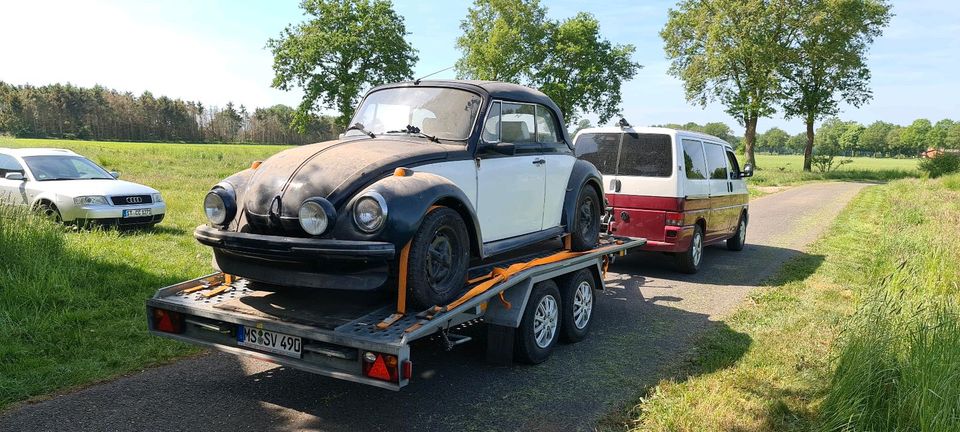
(808, 148)
(749, 139)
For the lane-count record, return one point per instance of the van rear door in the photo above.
(602, 149)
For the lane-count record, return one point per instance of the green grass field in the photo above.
(787, 170)
(863, 333)
(72, 302)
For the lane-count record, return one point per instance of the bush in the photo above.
(945, 163)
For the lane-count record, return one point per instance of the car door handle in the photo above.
(539, 161)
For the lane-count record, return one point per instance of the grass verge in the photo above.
(860, 334)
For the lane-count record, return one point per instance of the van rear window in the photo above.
(600, 149)
(646, 155)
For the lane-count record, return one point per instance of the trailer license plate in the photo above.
(266, 340)
(136, 213)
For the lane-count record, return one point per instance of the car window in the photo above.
(8, 164)
(645, 155)
(600, 149)
(546, 126)
(716, 161)
(734, 166)
(491, 127)
(64, 168)
(517, 124)
(694, 164)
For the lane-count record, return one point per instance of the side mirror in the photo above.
(747, 171)
(15, 176)
(499, 147)
(115, 174)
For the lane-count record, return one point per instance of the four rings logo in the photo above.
(134, 200)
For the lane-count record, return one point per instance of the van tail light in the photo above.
(167, 321)
(383, 367)
(674, 219)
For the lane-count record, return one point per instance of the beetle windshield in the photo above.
(46, 168)
(443, 113)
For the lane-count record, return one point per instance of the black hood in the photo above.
(334, 170)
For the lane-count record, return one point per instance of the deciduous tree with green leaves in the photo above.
(826, 62)
(343, 48)
(729, 51)
(568, 60)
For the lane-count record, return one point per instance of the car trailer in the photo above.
(527, 302)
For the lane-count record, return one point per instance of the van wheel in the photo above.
(739, 238)
(585, 226)
(577, 295)
(689, 261)
(439, 256)
(540, 327)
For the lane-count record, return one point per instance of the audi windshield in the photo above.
(47, 168)
(444, 113)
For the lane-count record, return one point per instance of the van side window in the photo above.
(9, 165)
(693, 161)
(646, 155)
(716, 161)
(734, 166)
(600, 149)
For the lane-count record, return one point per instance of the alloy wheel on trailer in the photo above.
(545, 321)
(582, 304)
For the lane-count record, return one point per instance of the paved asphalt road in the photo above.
(645, 324)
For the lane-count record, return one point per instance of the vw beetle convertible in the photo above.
(441, 173)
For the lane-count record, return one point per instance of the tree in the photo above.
(719, 130)
(826, 64)
(850, 138)
(917, 137)
(567, 60)
(581, 125)
(796, 143)
(952, 141)
(345, 47)
(773, 140)
(940, 131)
(729, 51)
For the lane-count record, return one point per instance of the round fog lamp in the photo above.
(313, 219)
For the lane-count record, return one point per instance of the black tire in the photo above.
(739, 238)
(439, 258)
(528, 348)
(585, 226)
(578, 300)
(49, 211)
(689, 261)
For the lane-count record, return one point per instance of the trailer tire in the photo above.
(540, 327)
(578, 300)
(439, 257)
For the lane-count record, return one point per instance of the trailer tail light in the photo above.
(383, 367)
(167, 321)
(674, 219)
(407, 369)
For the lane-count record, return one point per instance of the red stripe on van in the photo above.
(646, 202)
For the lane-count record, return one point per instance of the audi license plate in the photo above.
(266, 340)
(137, 213)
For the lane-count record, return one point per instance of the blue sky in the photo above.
(213, 51)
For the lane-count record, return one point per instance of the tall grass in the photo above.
(898, 366)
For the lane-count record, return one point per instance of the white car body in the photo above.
(126, 203)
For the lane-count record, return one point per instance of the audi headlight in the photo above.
(157, 198)
(90, 200)
(220, 206)
(316, 215)
(370, 212)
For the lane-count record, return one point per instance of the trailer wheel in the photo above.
(577, 294)
(540, 327)
(439, 256)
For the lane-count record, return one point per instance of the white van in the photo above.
(680, 190)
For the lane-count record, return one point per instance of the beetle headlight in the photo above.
(370, 212)
(315, 215)
(220, 206)
(90, 200)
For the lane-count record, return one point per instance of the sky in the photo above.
(214, 51)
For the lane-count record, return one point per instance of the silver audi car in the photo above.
(67, 187)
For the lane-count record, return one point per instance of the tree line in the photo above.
(98, 113)
(850, 138)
